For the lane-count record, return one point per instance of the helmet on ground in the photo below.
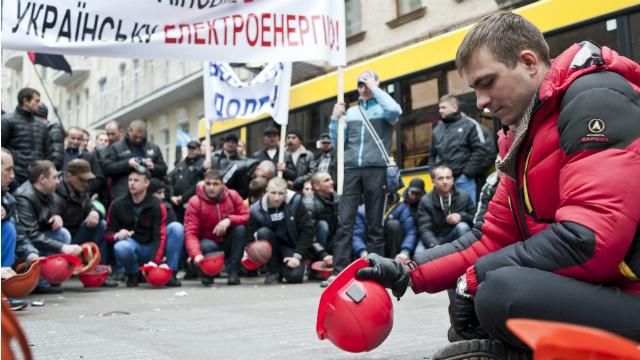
(355, 315)
(259, 252)
(322, 269)
(24, 282)
(155, 275)
(90, 258)
(212, 264)
(58, 268)
(96, 277)
(248, 264)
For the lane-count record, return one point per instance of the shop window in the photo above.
(406, 6)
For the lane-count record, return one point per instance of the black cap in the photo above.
(230, 137)
(295, 132)
(270, 130)
(193, 144)
(416, 184)
(43, 111)
(155, 185)
(325, 138)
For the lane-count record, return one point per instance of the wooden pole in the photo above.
(341, 127)
(283, 139)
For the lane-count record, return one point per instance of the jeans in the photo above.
(175, 243)
(233, 247)
(8, 243)
(130, 254)
(467, 185)
(95, 235)
(322, 235)
(460, 229)
(64, 236)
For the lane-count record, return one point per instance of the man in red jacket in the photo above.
(561, 240)
(215, 220)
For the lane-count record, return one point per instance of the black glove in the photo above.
(389, 273)
(464, 318)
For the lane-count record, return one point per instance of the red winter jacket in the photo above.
(573, 207)
(203, 214)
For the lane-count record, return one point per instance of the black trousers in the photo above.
(233, 247)
(368, 184)
(516, 292)
(280, 251)
(393, 234)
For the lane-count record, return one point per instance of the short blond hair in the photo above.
(277, 183)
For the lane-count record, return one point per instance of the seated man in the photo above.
(215, 220)
(412, 196)
(445, 213)
(37, 219)
(282, 219)
(323, 208)
(399, 231)
(137, 223)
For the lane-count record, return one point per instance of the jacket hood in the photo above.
(203, 196)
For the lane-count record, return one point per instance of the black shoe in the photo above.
(207, 280)
(272, 279)
(17, 304)
(480, 349)
(190, 275)
(234, 279)
(174, 281)
(48, 290)
(132, 280)
(119, 277)
(110, 283)
(453, 336)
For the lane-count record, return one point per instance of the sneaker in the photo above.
(17, 304)
(207, 280)
(234, 279)
(326, 283)
(272, 279)
(48, 290)
(174, 281)
(132, 280)
(480, 349)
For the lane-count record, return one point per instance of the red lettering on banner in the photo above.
(196, 29)
(324, 27)
(181, 38)
(213, 34)
(224, 19)
(265, 30)
(252, 42)
(291, 29)
(278, 29)
(304, 29)
(167, 38)
(313, 26)
(237, 26)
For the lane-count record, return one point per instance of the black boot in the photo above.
(272, 279)
(480, 349)
(132, 280)
(207, 280)
(234, 278)
(174, 281)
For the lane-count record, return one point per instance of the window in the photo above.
(602, 33)
(353, 17)
(406, 6)
(634, 24)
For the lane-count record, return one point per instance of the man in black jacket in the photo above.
(297, 161)
(137, 224)
(282, 219)
(323, 208)
(271, 139)
(23, 135)
(326, 159)
(37, 218)
(55, 133)
(445, 213)
(460, 143)
(184, 177)
(129, 153)
(74, 150)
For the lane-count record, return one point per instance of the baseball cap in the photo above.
(81, 169)
(416, 185)
(193, 144)
(270, 130)
(230, 137)
(155, 185)
(325, 138)
(362, 76)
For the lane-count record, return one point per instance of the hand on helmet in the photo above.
(387, 272)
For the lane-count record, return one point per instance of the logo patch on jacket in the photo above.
(595, 132)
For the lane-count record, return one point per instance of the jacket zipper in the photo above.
(515, 219)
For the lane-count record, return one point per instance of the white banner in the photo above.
(225, 30)
(227, 97)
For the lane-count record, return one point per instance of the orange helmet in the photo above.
(355, 315)
(95, 277)
(24, 282)
(259, 252)
(155, 275)
(58, 268)
(90, 258)
(212, 264)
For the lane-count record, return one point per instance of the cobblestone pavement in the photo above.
(251, 321)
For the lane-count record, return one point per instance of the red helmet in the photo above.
(90, 258)
(155, 275)
(259, 252)
(24, 282)
(212, 264)
(355, 315)
(248, 264)
(95, 277)
(58, 268)
(322, 269)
